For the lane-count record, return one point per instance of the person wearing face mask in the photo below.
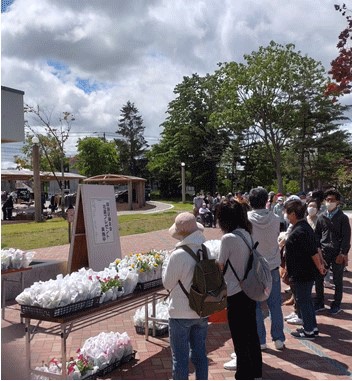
(333, 233)
(279, 211)
(303, 262)
(312, 212)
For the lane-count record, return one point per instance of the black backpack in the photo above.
(208, 291)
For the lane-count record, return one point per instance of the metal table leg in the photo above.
(146, 317)
(3, 299)
(22, 288)
(28, 346)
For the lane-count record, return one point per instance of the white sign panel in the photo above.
(102, 221)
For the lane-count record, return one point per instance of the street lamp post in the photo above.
(36, 180)
(183, 181)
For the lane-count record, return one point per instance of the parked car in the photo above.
(121, 196)
(24, 194)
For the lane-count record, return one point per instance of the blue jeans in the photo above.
(305, 305)
(187, 340)
(274, 305)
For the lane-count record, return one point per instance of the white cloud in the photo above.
(140, 50)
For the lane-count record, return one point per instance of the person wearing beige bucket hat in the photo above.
(187, 330)
(184, 225)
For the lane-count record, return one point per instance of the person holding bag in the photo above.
(188, 331)
(241, 310)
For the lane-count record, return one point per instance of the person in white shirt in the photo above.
(240, 308)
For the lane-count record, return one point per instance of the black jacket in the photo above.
(334, 235)
(300, 247)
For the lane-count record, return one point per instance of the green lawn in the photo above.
(32, 235)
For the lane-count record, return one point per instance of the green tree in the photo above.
(96, 157)
(267, 99)
(132, 144)
(189, 137)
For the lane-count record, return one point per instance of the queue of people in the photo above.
(305, 235)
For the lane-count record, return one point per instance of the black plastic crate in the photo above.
(41, 312)
(158, 331)
(150, 284)
(109, 368)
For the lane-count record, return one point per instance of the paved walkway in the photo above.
(329, 357)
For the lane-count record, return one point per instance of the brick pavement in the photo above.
(329, 357)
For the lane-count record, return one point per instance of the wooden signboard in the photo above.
(95, 236)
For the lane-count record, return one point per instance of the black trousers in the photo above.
(337, 272)
(243, 327)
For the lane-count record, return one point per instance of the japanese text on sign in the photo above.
(102, 223)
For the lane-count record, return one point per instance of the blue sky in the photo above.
(5, 4)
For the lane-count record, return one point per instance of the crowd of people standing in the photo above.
(301, 236)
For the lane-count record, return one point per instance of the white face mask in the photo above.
(331, 206)
(312, 211)
(286, 218)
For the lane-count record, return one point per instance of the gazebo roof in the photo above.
(111, 178)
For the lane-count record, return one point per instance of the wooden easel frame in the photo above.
(84, 251)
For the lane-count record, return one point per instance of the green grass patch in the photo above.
(33, 235)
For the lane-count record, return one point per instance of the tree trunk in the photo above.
(280, 183)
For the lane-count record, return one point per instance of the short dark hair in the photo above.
(233, 215)
(333, 192)
(258, 198)
(297, 207)
(318, 194)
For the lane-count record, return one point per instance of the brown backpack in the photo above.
(208, 290)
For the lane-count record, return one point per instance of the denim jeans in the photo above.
(274, 305)
(305, 304)
(243, 328)
(188, 340)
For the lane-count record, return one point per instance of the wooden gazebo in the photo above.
(134, 183)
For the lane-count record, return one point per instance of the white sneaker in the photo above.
(231, 365)
(279, 344)
(233, 355)
(329, 285)
(290, 316)
(263, 347)
(295, 320)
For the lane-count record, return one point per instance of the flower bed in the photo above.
(134, 272)
(72, 291)
(147, 265)
(98, 356)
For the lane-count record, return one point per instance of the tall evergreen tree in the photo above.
(132, 144)
(190, 137)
